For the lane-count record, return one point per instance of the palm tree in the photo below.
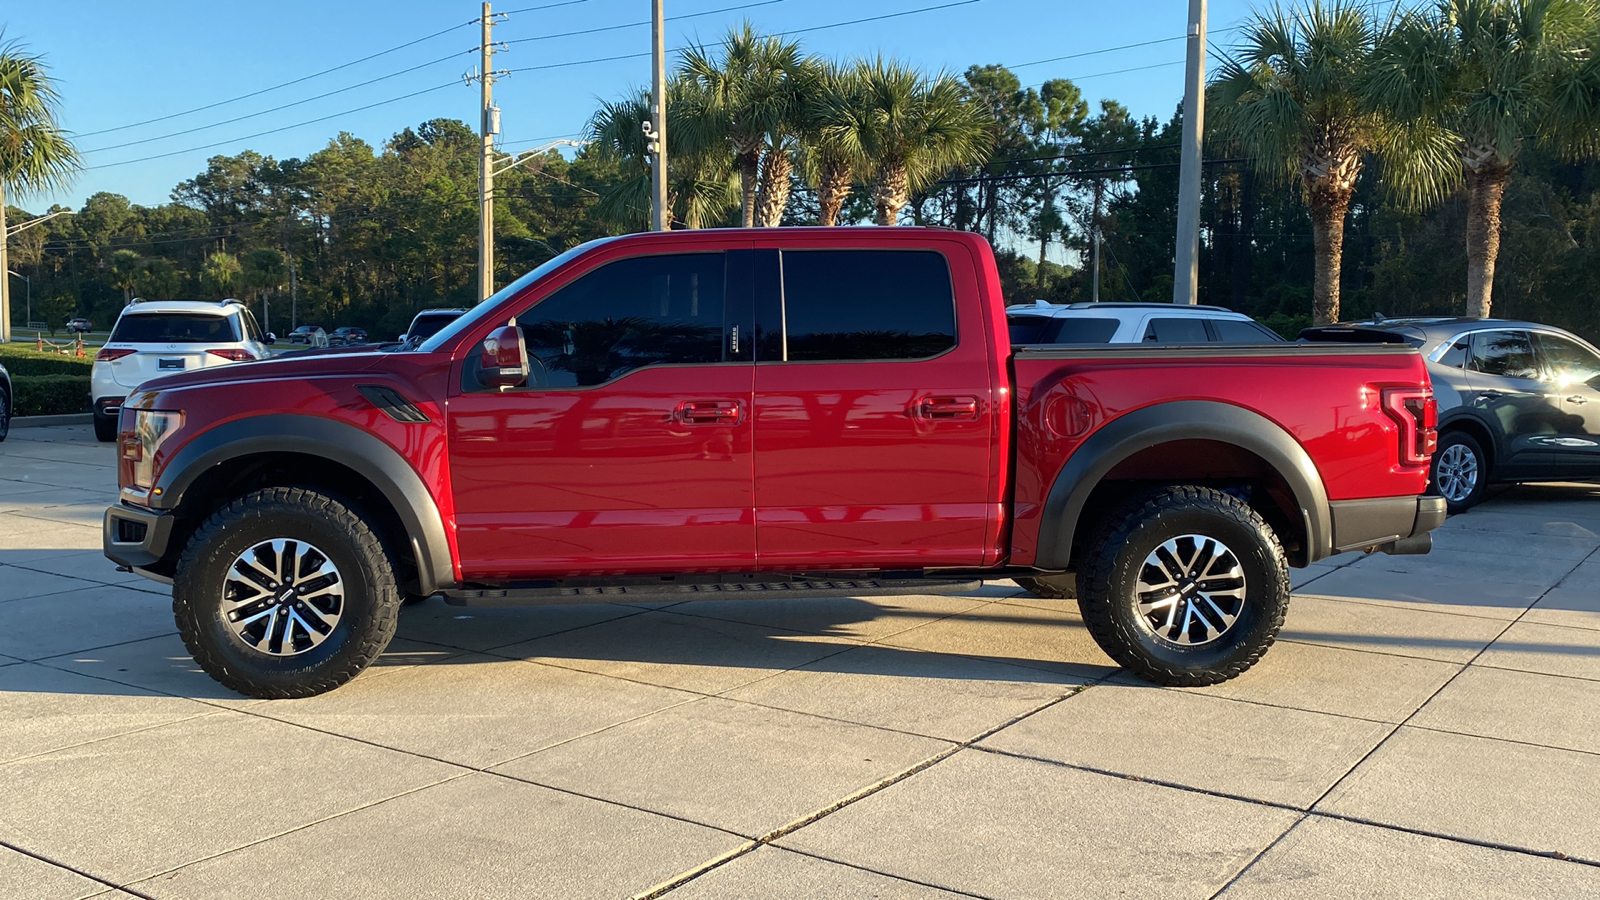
(35, 154)
(1493, 74)
(262, 270)
(1291, 95)
(831, 155)
(911, 130)
(749, 97)
(219, 274)
(125, 268)
(700, 188)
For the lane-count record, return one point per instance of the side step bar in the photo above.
(553, 593)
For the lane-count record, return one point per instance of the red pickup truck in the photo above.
(755, 413)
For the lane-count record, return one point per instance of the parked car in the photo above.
(1133, 323)
(619, 440)
(1518, 401)
(79, 325)
(153, 338)
(347, 337)
(311, 335)
(428, 323)
(7, 402)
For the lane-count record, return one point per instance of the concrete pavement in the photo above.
(1426, 727)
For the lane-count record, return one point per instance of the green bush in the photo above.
(50, 395)
(21, 360)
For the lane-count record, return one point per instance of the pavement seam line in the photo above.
(960, 892)
(1258, 856)
(112, 885)
(847, 800)
(111, 737)
(1441, 689)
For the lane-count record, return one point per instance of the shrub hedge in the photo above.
(23, 361)
(50, 395)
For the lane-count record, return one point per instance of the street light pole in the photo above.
(660, 216)
(1186, 271)
(29, 282)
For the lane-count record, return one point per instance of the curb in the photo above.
(49, 421)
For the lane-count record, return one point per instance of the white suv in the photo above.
(153, 338)
(1133, 323)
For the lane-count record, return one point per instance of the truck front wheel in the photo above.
(1185, 586)
(285, 592)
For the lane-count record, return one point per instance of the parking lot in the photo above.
(1425, 727)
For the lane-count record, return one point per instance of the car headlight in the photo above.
(150, 430)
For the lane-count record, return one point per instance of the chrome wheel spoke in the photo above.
(1191, 590)
(283, 597)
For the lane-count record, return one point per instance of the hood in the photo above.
(311, 364)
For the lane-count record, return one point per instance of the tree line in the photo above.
(1355, 164)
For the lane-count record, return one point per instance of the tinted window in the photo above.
(175, 328)
(1084, 330)
(1029, 329)
(631, 313)
(1235, 331)
(252, 329)
(1177, 331)
(1568, 361)
(1505, 353)
(867, 304)
(1456, 356)
(426, 325)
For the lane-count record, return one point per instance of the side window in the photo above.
(1176, 331)
(1508, 354)
(865, 304)
(631, 313)
(1566, 361)
(1456, 356)
(252, 329)
(1236, 331)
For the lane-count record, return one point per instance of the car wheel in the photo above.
(1460, 471)
(105, 428)
(1185, 586)
(285, 592)
(5, 414)
(1050, 587)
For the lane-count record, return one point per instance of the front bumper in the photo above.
(1398, 525)
(136, 537)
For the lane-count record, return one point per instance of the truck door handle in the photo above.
(946, 408)
(1578, 399)
(709, 412)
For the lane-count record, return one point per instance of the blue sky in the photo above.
(119, 63)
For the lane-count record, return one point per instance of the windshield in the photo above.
(175, 328)
(426, 325)
(470, 316)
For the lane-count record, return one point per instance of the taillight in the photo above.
(107, 354)
(1415, 411)
(234, 354)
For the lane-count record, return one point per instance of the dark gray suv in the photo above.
(1518, 401)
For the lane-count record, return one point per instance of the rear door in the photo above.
(1503, 372)
(875, 422)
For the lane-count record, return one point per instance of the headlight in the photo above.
(150, 430)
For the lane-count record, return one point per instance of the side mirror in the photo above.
(503, 359)
(271, 338)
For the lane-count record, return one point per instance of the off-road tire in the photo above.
(371, 601)
(105, 428)
(1108, 581)
(1467, 444)
(5, 414)
(1050, 587)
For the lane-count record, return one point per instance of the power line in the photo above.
(247, 137)
(508, 12)
(162, 137)
(709, 12)
(287, 83)
(1117, 170)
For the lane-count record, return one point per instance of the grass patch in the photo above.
(22, 360)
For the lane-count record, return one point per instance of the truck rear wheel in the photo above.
(1185, 586)
(285, 592)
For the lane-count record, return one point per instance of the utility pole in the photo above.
(5, 283)
(660, 216)
(1095, 227)
(1186, 272)
(294, 299)
(489, 127)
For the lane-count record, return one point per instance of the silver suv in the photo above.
(1133, 323)
(1518, 401)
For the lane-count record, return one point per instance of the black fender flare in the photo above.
(1181, 420)
(345, 444)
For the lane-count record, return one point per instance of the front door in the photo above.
(875, 425)
(1503, 373)
(629, 450)
(1570, 371)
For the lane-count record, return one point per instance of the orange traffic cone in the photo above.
(38, 342)
(80, 349)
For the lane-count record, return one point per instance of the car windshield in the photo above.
(175, 328)
(427, 325)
